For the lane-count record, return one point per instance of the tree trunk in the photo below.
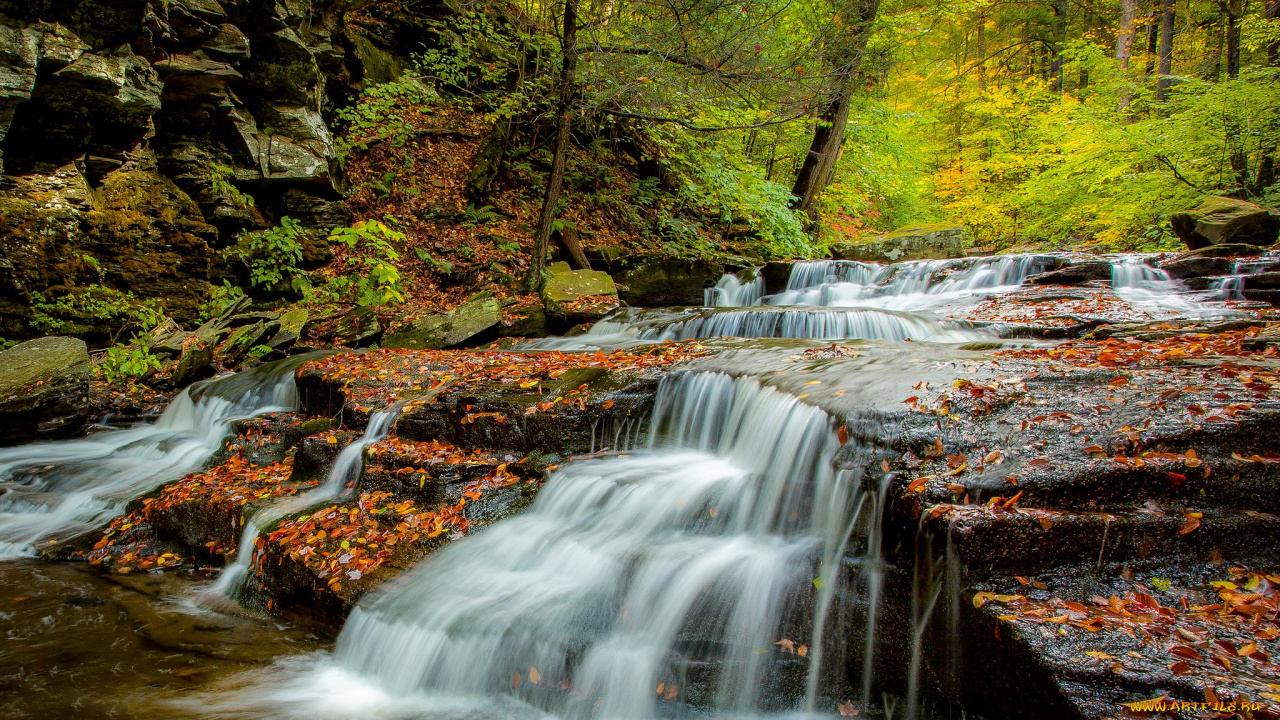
(982, 50)
(1235, 14)
(1055, 72)
(568, 238)
(828, 135)
(1153, 36)
(1273, 50)
(818, 162)
(1124, 47)
(564, 122)
(1217, 56)
(1166, 51)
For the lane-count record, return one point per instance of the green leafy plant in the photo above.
(220, 177)
(257, 352)
(220, 298)
(273, 255)
(377, 280)
(506, 245)
(479, 216)
(127, 362)
(444, 267)
(80, 310)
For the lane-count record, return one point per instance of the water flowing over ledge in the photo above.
(59, 489)
(672, 565)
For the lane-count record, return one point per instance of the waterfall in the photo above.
(914, 285)
(346, 469)
(816, 324)
(1152, 291)
(731, 291)
(59, 489)
(628, 573)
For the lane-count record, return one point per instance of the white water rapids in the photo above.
(673, 565)
(60, 489)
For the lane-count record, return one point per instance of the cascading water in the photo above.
(819, 325)
(346, 469)
(627, 572)
(904, 286)
(1152, 290)
(60, 489)
(731, 291)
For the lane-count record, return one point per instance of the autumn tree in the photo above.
(852, 22)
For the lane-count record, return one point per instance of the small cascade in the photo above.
(1230, 287)
(813, 273)
(60, 489)
(1132, 272)
(673, 565)
(1152, 291)
(827, 324)
(634, 326)
(905, 286)
(346, 469)
(731, 291)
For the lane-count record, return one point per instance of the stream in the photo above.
(650, 583)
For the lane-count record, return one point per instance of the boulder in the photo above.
(195, 363)
(578, 295)
(1189, 266)
(915, 242)
(655, 282)
(358, 328)
(1074, 274)
(44, 384)
(291, 324)
(448, 329)
(524, 321)
(1225, 250)
(1219, 220)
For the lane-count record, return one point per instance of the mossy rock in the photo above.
(572, 293)
(661, 282)
(291, 324)
(1218, 220)
(914, 242)
(462, 324)
(44, 385)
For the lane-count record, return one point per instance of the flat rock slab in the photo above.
(44, 383)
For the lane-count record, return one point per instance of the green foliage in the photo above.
(6, 344)
(127, 362)
(1161, 584)
(273, 255)
(443, 267)
(79, 310)
(257, 352)
(370, 269)
(735, 192)
(220, 177)
(505, 245)
(476, 59)
(384, 112)
(220, 298)
(479, 215)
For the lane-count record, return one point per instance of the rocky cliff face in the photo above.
(125, 124)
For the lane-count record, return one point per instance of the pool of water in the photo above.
(81, 644)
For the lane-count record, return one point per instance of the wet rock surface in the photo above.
(1221, 220)
(916, 242)
(44, 387)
